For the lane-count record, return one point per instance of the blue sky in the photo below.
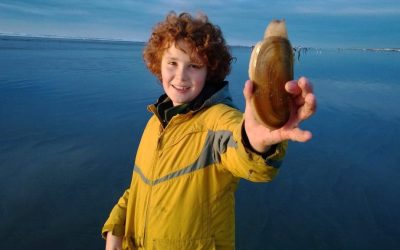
(312, 23)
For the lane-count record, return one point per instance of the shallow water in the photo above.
(72, 113)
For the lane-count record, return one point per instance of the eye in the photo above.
(173, 63)
(196, 66)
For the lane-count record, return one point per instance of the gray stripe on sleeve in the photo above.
(216, 144)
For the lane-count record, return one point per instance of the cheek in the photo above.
(200, 75)
(203, 76)
(164, 73)
(200, 82)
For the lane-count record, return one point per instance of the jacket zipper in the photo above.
(145, 228)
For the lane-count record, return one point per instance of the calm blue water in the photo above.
(71, 116)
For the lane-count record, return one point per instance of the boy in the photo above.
(197, 146)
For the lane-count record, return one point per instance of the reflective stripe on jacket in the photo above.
(182, 190)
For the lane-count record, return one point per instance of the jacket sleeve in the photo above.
(240, 159)
(116, 220)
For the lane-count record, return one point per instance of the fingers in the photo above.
(292, 87)
(309, 107)
(301, 86)
(248, 90)
(296, 134)
(303, 97)
(305, 86)
(304, 106)
(248, 94)
(302, 135)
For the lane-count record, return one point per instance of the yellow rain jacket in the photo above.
(182, 190)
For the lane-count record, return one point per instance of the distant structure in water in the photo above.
(297, 51)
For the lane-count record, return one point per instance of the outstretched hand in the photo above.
(303, 106)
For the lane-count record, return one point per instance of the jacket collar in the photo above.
(219, 95)
(210, 95)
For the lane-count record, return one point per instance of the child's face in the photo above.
(183, 77)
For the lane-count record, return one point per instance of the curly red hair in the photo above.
(202, 37)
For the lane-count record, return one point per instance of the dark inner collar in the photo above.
(166, 110)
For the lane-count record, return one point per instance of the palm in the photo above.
(303, 106)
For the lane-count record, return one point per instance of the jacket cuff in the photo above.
(116, 230)
(277, 153)
(273, 155)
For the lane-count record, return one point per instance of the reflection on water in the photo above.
(73, 112)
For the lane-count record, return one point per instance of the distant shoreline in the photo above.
(109, 40)
(60, 38)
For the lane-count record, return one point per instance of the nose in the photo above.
(181, 74)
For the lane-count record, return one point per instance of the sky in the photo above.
(310, 23)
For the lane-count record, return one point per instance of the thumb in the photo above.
(248, 95)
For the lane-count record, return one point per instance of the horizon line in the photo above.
(100, 39)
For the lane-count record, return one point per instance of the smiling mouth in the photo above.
(180, 88)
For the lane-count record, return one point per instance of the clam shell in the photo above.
(270, 67)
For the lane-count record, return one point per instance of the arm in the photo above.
(115, 224)
(231, 147)
(304, 105)
(258, 151)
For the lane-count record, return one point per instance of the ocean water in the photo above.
(71, 116)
